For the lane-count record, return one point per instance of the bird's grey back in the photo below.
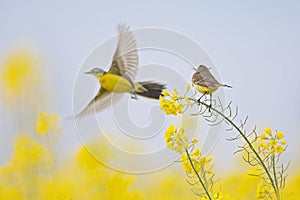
(202, 76)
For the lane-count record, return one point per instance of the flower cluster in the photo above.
(273, 143)
(175, 139)
(19, 73)
(169, 103)
(47, 123)
(263, 190)
(196, 166)
(199, 162)
(28, 155)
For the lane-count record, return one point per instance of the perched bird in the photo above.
(120, 77)
(205, 83)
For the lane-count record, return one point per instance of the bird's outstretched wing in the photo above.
(99, 102)
(125, 61)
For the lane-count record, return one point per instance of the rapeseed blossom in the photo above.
(272, 142)
(19, 72)
(175, 139)
(199, 163)
(20, 78)
(193, 163)
(169, 104)
(263, 190)
(46, 123)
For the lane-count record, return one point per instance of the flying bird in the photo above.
(120, 76)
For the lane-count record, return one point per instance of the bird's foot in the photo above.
(198, 101)
(209, 107)
(201, 98)
(133, 96)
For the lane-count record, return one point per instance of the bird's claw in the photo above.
(133, 96)
(209, 107)
(198, 101)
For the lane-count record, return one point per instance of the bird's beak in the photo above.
(87, 72)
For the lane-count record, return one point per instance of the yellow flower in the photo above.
(279, 149)
(47, 123)
(283, 142)
(196, 152)
(264, 145)
(196, 163)
(175, 91)
(170, 107)
(86, 160)
(165, 93)
(21, 82)
(19, 72)
(272, 151)
(194, 140)
(186, 163)
(9, 192)
(273, 142)
(207, 159)
(175, 139)
(188, 87)
(268, 131)
(263, 136)
(179, 108)
(279, 135)
(262, 191)
(186, 98)
(28, 155)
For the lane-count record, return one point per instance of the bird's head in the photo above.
(97, 72)
(202, 68)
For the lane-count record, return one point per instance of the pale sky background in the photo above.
(254, 46)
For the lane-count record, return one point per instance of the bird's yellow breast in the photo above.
(205, 89)
(115, 83)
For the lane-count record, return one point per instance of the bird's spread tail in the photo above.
(149, 89)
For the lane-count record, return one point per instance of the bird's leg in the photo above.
(133, 93)
(201, 97)
(209, 107)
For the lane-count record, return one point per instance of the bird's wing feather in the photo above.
(205, 78)
(208, 76)
(101, 101)
(125, 61)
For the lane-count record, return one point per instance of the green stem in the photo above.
(249, 144)
(198, 176)
(275, 177)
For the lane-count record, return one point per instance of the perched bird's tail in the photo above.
(149, 89)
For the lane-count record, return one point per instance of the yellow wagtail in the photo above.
(120, 77)
(205, 83)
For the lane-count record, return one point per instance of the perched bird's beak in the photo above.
(87, 72)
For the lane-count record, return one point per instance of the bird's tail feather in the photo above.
(149, 89)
